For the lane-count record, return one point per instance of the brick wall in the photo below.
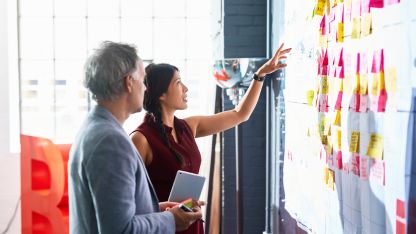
(244, 28)
(252, 176)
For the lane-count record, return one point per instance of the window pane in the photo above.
(70, 8)
(198, 41)
(36, 8)
(169, 8)
(36, 38)
(138, 31)
(198, 9)
(136, 8)
(71, 99)
(169, 39)
(102, 29)
(108, 8)
(37, 97)
(70, 38)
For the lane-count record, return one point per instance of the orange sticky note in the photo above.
(355, 142)
(376, 146)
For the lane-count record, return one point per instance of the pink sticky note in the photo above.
(376, 62)
(356, 9)
(377, 171)
(364, 103)
(382, 100)
(322, 26)
(355, 164)
(374, 103)
(341, 72)
(345, 167)
(323, 103)
(376, 3)
(390, 2)
(339, 159)
(329, 159)
(355, 103)
(325, 59)
(382, 60)
(363, 63)
(365, 6)
(357, 70)
(339, 101)
(341, 58)
(363, 168)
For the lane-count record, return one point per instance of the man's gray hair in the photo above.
(106, 68)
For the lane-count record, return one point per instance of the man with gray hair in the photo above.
(109, 189)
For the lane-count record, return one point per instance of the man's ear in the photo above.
(128, 83)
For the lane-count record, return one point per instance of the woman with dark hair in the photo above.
(166, 143)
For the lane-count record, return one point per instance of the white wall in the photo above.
(9, 121)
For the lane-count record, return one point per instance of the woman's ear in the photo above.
(162, 97)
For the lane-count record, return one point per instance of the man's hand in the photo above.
(185, 219)
(273, 63)
(166, 205)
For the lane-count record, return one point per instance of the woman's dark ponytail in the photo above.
(157, 80)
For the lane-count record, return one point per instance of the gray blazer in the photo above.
(109, 189)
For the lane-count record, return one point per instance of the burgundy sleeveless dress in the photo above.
(162, 170)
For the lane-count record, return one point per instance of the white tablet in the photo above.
(186, 185)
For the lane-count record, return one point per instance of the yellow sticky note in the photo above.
(381, 81)
(391, 80)
(320, 6)
(339, 137)
(363, 84)
(347, 84)
(321, 125)
(337, 120)
(340, 35)
(326, 172)
(324, 139)
(324, 85)
(374, 85)
(309, 97)
(323, 41)
(366, 24)
(331, 179)
(376, 146)
(355, 142)
(356, 28)
(357, 84)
